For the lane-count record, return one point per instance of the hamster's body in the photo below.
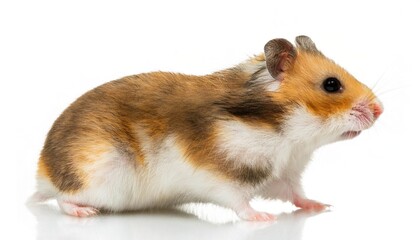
(160, 139)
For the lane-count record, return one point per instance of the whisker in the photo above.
(389, 68)
(379, 79)
(391, 90)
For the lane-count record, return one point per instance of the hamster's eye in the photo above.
(332, 85)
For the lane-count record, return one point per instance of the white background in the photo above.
(51, 52)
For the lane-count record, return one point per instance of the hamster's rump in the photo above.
(160, 139)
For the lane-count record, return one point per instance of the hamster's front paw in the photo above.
(310, 205)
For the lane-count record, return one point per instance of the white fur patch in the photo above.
(116, 184)
(247, 145)
(306, 129)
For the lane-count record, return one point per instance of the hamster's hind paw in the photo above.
(76, 210)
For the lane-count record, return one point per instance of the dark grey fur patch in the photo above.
(249, 175)
(253, 105)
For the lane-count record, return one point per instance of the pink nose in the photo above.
(377, 110)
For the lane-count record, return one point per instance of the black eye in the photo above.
(332, 85)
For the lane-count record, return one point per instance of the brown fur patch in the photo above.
(97, 122)
(42, 168)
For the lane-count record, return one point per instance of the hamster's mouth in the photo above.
(351, 134)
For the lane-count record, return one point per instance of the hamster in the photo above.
(161, 139)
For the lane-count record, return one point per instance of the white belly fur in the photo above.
(115, 183)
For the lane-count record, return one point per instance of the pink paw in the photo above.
(77, 210)
(310, 205)
(257, 216)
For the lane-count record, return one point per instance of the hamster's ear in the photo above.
(306, 44)
(279, 56)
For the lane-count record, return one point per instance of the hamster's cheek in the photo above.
(303, 126)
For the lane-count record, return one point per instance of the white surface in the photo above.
(52, 51)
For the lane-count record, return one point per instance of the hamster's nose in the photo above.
(378, 109)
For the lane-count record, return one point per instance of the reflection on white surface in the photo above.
(164, 224)
(368, 221)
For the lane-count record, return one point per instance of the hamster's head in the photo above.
(326, 101)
